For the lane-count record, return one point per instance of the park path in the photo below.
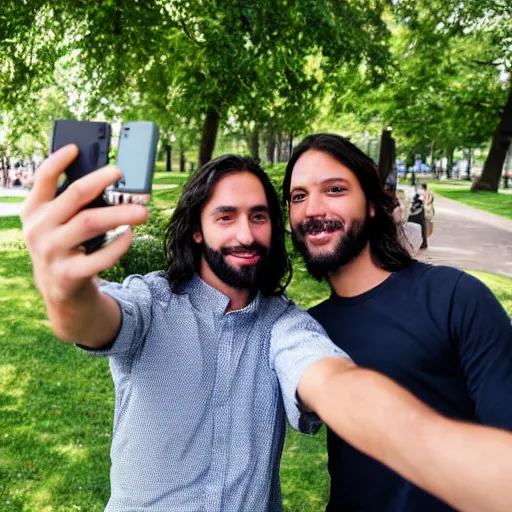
(468, 238)
(463, 237)
(10, 209)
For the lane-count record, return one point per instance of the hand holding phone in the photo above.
(53, 230)
(135, 157)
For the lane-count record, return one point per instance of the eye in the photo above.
(260, 217)
(336, 189)
(296, 198)
(224, 218)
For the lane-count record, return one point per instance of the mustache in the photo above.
(313, 226)
(254, 247)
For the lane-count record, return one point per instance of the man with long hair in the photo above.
(208, 357)
(437, 331)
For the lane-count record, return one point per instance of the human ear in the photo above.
(197, 236)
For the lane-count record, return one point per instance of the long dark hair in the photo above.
(384, 235)
(184, 255)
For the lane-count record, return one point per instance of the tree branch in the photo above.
(187, 33)
(484, 62)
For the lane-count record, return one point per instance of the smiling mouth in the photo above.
(320, 237)
(317, 228)
(246, 257)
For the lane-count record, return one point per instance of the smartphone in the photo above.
(93, 141)
(136, 155)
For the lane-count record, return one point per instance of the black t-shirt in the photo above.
(441, 334)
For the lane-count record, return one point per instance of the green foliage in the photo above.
(145, 255)
(115, 274)
(447, 84)
(253, 63)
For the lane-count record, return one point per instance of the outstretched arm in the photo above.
(468, 466)
(54, 228)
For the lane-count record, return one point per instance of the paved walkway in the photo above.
(9, 209)
(463, 236)
(468, 238)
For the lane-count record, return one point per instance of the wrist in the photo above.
(70, 315)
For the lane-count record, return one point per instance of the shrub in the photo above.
(154, 226)
(145, 255)
(114, 274)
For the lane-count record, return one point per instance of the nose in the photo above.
(314, 205)
(244, 235)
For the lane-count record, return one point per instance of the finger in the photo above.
(81, 192)
(83, 266)
(95, 221)
(47, 176)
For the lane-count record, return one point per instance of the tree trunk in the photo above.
(210, 127)
(433, 168)
(470, 163)
(290, 146)
(255, 145)
(182, 158)
(278, 147)
(270, 148)
(387, 155)
(493, 166)
(168, 158)
(449, 167)
(281, 150)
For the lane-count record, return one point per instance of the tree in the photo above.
(210, 56)
(491, 174)
(488, 25)
(444, 91)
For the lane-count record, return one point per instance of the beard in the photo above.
(349, 246)
(243, 278)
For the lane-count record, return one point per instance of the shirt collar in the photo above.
(204, 297)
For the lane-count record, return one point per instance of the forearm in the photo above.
(92, 318)
(468, 466)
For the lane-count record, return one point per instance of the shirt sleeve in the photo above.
(297, 341)
(134, 299)
(483, 332)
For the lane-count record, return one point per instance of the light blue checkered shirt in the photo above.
(201, 396)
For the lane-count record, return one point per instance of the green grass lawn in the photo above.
(501, 287)
(499, 203)
(11, 199)
(56, 404)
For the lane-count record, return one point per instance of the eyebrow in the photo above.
(326, 181)
(234, 209)
(261, 208)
